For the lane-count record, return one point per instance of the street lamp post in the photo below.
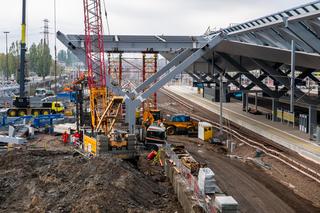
(7, 58)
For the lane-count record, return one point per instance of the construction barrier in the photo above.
(186, 186)
(90, 145)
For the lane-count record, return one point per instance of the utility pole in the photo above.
(23, 50)
(6, 75)
(55, 47)
(46, 31)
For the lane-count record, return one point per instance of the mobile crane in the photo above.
(21, 104)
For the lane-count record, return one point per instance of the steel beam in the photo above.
(179, 68)
(180, 57)
(143, 43)
(245, 72)
(226, 75)
(233, 80)
(80, 53)
(305, 35)
(285, 81)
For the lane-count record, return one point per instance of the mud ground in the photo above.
(257, 190)
(53, 180)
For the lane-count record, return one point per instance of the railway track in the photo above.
(276, 154)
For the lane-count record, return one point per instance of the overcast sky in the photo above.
(169, 17)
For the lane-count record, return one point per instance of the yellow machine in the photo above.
(45, 109)
(205, 131)
(150, 116)
(181, 123)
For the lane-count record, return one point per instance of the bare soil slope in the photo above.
(55, 181)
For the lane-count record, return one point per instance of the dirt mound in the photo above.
(40, 181)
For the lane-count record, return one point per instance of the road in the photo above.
(252, 188)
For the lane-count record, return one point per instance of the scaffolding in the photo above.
(115, 68)
(149, 68)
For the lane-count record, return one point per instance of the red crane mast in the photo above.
(94, 44)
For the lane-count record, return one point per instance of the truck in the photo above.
(42, 92)
(181, 123)
(23, 108)
(155, 137)
(151, 133)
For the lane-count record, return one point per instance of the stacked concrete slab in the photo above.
(226, 204)
(206, 181)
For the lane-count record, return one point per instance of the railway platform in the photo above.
(279, 133)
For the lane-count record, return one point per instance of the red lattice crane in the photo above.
(103, 109)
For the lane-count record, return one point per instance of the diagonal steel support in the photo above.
(174, 62)
(311, 76)
(179, 68)
(263, 76)
(233, 79)
(226, 75)
(285, 81)
(252, 78)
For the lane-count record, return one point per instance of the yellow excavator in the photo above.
(150, 116)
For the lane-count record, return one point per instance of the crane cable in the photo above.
(106, 15)
(108, 25)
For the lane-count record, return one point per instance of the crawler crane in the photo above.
(104, 106)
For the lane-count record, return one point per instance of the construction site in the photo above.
(226, 121)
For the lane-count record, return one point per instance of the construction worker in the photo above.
(65, 137)
(76, 138)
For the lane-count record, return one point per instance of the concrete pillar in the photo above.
(275, 104)
(312, 121)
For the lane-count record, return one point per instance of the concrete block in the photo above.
(12, 140)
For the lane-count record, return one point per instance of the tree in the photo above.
(44, 60)
(33, 58)
(3, 65)
(13, 59)
(62, 56)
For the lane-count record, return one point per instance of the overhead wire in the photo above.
(108, 26)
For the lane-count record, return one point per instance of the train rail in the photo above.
(288, 161)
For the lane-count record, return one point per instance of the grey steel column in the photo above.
(221, 105)
(247, 102)
(293, 68)
(244, 98)
(312, 120)
(274, 109)
(256, 101)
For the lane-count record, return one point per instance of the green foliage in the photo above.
(39, 59)
(33, 57)
(44, 60)
(67, 57)
(13, 58)
(62, 56)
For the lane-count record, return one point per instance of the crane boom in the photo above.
(94, 44)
